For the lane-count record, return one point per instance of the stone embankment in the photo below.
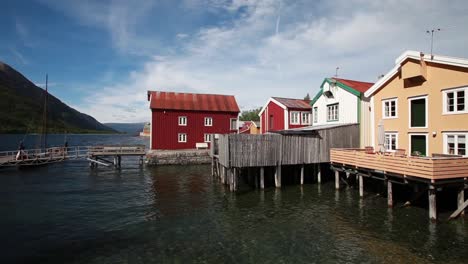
(178, 157)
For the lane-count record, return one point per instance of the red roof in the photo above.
(294, 103)
(193, 102)
(356, 85)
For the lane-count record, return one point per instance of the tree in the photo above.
(250, 115)
(307, 97)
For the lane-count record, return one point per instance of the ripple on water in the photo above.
(69, 214)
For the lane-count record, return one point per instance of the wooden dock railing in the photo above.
(433, 168)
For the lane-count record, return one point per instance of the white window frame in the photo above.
(410, 151)
(230, 124)
(182, 121)
(335, 112)
(207, 137)
(294, 116)
(384, 113)
(208, 121)
(456, 134)
(315, 113)
(307, 121)
(426, 112)
(445, 110)
(182, 138)
(391, 134)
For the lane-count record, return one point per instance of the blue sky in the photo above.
(102, 56)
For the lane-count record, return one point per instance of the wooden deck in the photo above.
(431, 168)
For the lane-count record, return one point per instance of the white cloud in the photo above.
(286, 49)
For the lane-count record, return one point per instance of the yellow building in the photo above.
(422, 105)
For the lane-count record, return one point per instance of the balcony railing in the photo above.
(433, 168)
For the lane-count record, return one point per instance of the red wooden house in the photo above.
(284, 113)
(181, 120)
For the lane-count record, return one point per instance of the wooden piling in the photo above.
(278, 176)
(223, 174)
(432, 203)
(262, 178)
(236, 179)
(461, 200)
(337, 180)
(319, 174)
(361, 186)
(302, 174)
(389, 193)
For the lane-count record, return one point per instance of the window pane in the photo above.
(451, 139)
(450, 102)
(460, 100)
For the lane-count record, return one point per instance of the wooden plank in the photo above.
(459, 210)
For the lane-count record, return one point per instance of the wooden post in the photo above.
(389, 194)
(223, 174)
(278, 176)
(236, 178)
(262, 178)
(337, 180)
(461, 200)
(212, 166)
(120, 161)
(302, 174)
(319, 174)
(432, 203)
(230, 177)
(361, 186)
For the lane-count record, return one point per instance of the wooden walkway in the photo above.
(95, 154)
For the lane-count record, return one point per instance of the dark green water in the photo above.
(66, 213)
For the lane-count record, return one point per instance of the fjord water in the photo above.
(67, 213)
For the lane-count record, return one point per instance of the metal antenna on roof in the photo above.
(336, 71)
(432, 37)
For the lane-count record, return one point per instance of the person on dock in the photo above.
(21, 153)
(65, 147)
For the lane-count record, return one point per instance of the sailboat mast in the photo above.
(44, 118)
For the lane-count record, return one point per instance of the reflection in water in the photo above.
(177, 214)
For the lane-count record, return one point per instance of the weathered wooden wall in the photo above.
(241, 150)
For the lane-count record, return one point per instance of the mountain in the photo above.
(127, 128)
(22, 107)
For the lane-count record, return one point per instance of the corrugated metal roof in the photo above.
(294, 103)
(192, 101)
(356, 85)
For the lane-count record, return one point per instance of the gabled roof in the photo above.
(355, 87)
(294, 103)
(192, 102)
(287, 103)
(409, 54)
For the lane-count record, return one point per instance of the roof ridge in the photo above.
(350, 80)
(153, 91)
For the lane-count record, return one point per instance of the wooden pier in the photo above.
(424, 174)
(94, 154)
(264, 159)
